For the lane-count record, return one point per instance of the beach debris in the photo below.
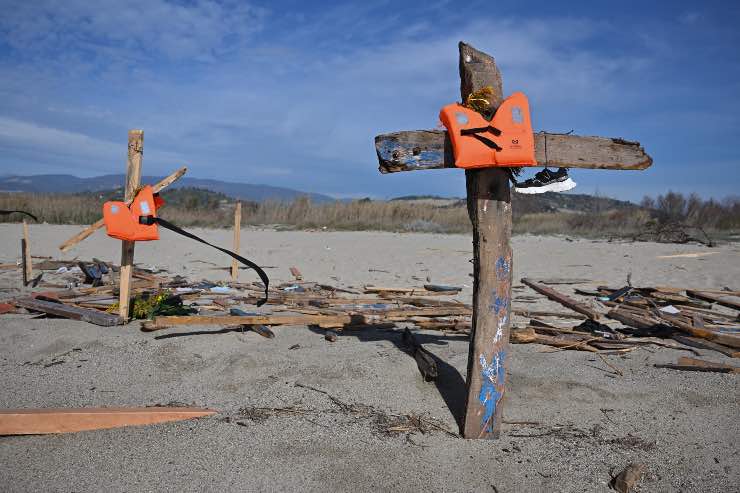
(563, 299)
(147, 305)
(70, 420)
(296, 273)
(440, 287)
(260, 329)
(66, 311)
(626, 480)
(424, 359)
(692, 364)
(330, 336)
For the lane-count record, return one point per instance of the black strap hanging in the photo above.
(7, 213)
(178, 230)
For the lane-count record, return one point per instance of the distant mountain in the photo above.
(73, 184)
(545, 202)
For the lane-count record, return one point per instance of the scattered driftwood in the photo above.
(704, 344)
(424, 359)
(72, 312)
(563, 299)
(70, 420)
(730, 300)
(626, 480)
(693, 364)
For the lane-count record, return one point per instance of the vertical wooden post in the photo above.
(26, 255)
(489, 208)
(133, 180)
(237, 235)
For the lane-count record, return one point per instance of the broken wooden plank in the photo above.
(729, 301)
(70, 420)
(72, 312)
(528, 335)
(231, 320)
(563, 299)
(626, 480)
(431, 149)
(237, 240)
(157, 187)
(424, 359)
(545, 313)
(704, 344)
(693, 364)
(296, 273)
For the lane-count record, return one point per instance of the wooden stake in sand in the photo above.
(489, 208)
(26, 255)
(237, 236)
(133, 180)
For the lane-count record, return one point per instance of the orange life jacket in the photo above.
(506, 141)
(130, 223)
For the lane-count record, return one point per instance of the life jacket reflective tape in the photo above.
(507, 140)
(139, 222)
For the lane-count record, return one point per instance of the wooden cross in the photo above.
(489, 208)
(133, 181)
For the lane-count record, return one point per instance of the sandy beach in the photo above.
(571, 423)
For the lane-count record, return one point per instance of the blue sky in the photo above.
(291, 93)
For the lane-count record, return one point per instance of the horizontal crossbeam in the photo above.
(431, 149)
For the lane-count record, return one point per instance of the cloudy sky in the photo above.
(291, 93)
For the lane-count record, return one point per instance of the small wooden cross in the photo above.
(489, 208)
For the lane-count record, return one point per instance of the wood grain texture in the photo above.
(431, 149)
(729, 300)
(237, 240)
(157, 187)
(63, 420)
(72, 312)
(133, 180)
(489, 208)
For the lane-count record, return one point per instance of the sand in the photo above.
(589, 422)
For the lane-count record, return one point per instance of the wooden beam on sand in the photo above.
(693, 364)
(71, 312)
(431, 149)
(564, 300)
(69, 420)
(157, 187)
(730, 300)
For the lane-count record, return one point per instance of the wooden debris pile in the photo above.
(648, 315)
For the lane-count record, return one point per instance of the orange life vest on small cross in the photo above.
(506, 141)
(123, 222)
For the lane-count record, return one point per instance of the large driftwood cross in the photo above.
(489, 207)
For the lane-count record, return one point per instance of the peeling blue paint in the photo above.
(498, 305)
(492, 379)
(503, 267)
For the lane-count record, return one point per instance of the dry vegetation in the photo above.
(670, 217)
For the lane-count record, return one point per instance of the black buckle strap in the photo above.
(149, 220)
(475, 132)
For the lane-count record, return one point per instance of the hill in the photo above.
(73, 184)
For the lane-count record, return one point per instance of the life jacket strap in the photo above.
(477, 131)
(149, 220)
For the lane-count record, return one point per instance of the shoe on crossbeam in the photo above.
(546, 181)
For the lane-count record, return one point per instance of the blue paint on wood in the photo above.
(498, 305)
(492, 387)
(503, 268)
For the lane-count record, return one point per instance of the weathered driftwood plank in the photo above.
(729, 301)
(133, 180)
(72, 312)
(489, 208)
(693, 364)
(704, 344)
(431, 149)
(44, 421)
(564, 300)
(157, 187)
(424, 359)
